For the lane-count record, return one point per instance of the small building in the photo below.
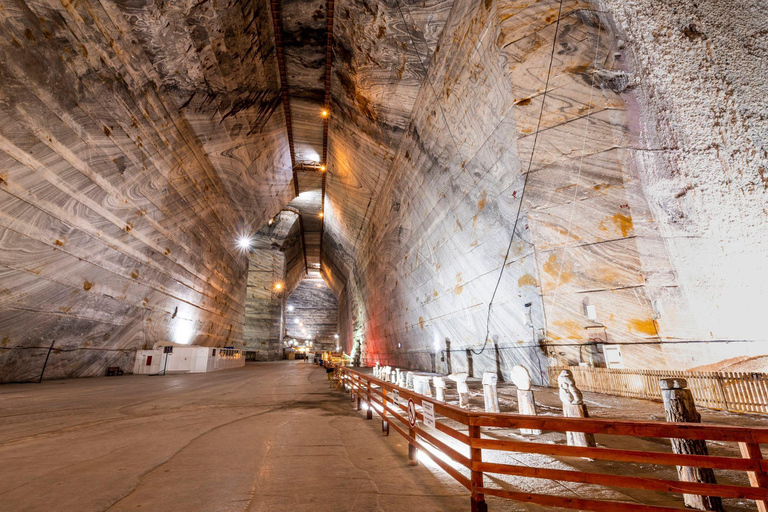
(176, 358)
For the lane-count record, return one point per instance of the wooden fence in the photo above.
(727, 391)
(459, 438)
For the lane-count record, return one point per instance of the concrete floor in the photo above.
(270, 436)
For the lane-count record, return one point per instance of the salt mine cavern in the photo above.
(383, 255)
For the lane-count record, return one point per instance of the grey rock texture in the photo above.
(620, 145)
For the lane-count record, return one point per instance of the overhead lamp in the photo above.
(271, 221)
(278, 286)
(322, 168)
(324, 113)
(244, 242)
(290, 308)
(321, 215)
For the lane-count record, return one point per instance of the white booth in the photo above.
(175, 358)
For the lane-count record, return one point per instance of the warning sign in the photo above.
(428, 409)
(411, 412)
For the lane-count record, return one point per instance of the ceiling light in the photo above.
(290, 308)
(278, 286)
(322, 168)
(272, 220)
(324, 113)
(321, 215)
(244, 242)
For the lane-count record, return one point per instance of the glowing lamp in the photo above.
(324, 113)
(244, 242)
(278, 287)
(321, 215)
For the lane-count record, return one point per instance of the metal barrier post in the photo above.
(478, 503)
(413, 452)
(384, 422)
(369, 411)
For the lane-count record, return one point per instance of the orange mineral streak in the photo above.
(526, 280)
(643, 326)
(561, 273)
(566, 329)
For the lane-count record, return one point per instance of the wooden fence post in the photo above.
(680, 408)
(756, 478)
(478, 503)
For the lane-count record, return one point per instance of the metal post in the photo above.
(369, 412)
(478, 503)
(384, 422)
(413, 452)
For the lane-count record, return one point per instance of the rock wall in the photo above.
(137, 141)
(701, 88)
(276, 257)
(536, 119)
(313, 313)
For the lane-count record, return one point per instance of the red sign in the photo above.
(411, 413)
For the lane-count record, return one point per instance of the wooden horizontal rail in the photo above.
(661, 458)
(711, 432)
(627, 482)
(380, 393)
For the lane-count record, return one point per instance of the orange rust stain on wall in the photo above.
(566, 329)
(481, 202)
(421, 322)
(459, 287)
(622, 222)
(643, 326)
(561, 272)
(526, 280)
(87, 285)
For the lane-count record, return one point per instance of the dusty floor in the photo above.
(270, 436)
(599, 406)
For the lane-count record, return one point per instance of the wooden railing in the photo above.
(459, 443)
(726, 391)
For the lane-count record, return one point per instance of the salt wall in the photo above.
(276, 257)
(625, 145)
(136, 140)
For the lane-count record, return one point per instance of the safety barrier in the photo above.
(727, 391)
(465, 429)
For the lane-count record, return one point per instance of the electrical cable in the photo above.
(525, 183)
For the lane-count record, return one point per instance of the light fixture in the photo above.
(290, 308)
(336, 336)
(321, 215)
(322, 168)
(297, 320)
(278, 286)
(324, 113)
(271, 221)
(301, 323)
(244, 242)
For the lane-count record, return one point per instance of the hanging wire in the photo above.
(525, 184)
